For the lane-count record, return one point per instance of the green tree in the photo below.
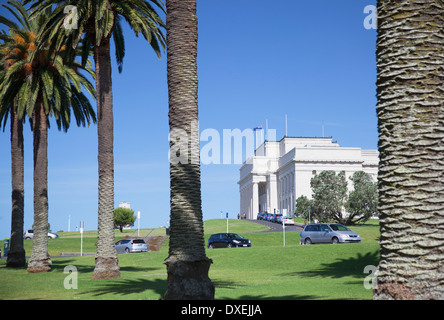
(410, 109)
(329, 195)
(302, 205)
(187, 264)
(39, 83)
(362, 202)
(123, 217)
(95, 23)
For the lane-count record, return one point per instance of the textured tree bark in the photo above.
(187, 264)
(40, 260)
(16, 256)
(410, 61)
(107, 263)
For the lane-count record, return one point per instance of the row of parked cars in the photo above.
(275, 217)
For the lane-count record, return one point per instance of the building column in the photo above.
(272, 193)
(255, 198)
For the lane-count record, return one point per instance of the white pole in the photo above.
(138, 223)
(81, 238)
(284, 215)
(227, 222)
(69, 223)
(283, 228)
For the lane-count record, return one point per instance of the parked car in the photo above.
(29, 234)
(128, 245)
(227, 240)
(328, 233)
(260, 215)
(288, 221)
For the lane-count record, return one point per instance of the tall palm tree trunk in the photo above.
(107, 263)
(410, 60)
(40, 260)
(16, 255)
(187, 264)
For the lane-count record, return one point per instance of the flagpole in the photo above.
(286, 132)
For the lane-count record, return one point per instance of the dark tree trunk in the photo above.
(107, 263)
(187, 264)
(40, 260)
(16, 255)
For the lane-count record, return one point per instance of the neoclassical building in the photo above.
(280, 171)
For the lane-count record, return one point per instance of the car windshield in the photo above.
(338, 227)
(234, 236)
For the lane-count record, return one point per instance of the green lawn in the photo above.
(267, 270)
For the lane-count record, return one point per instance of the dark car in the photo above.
(260, 215)
(227, 240)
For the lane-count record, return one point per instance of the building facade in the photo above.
(280, 171)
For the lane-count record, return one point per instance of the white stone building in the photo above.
(280, 171)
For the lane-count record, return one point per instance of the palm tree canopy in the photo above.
(31, 71)
(93, 21)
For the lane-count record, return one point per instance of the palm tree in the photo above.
(16, 256)
(410, 91)
(40, 83)
(97, 21)
(187, 264)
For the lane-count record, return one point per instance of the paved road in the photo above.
(276, 227)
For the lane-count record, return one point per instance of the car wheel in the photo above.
(229, 245)
(127, 250)
(308, 241)
(334, 240)
(211, 246)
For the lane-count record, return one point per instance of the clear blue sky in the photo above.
(312, 60)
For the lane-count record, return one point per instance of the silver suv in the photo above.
(328, 233)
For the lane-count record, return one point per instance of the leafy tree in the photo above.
(187, 264)
(302, 204)
(362, 202)
(96, 23)
(123, 217)
(410, 109)
(329, 195)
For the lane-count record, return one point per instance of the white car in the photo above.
(29, 234)
(288, 221)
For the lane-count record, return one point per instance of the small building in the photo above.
(280, 171)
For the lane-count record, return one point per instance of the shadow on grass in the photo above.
(124, 287)
(353, 266)
(223, 284)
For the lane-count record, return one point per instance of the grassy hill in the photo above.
(267, 270)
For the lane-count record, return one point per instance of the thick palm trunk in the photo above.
(16, 255)
(187, 264)
(410, 58)
(107, 263)
(40, 261)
